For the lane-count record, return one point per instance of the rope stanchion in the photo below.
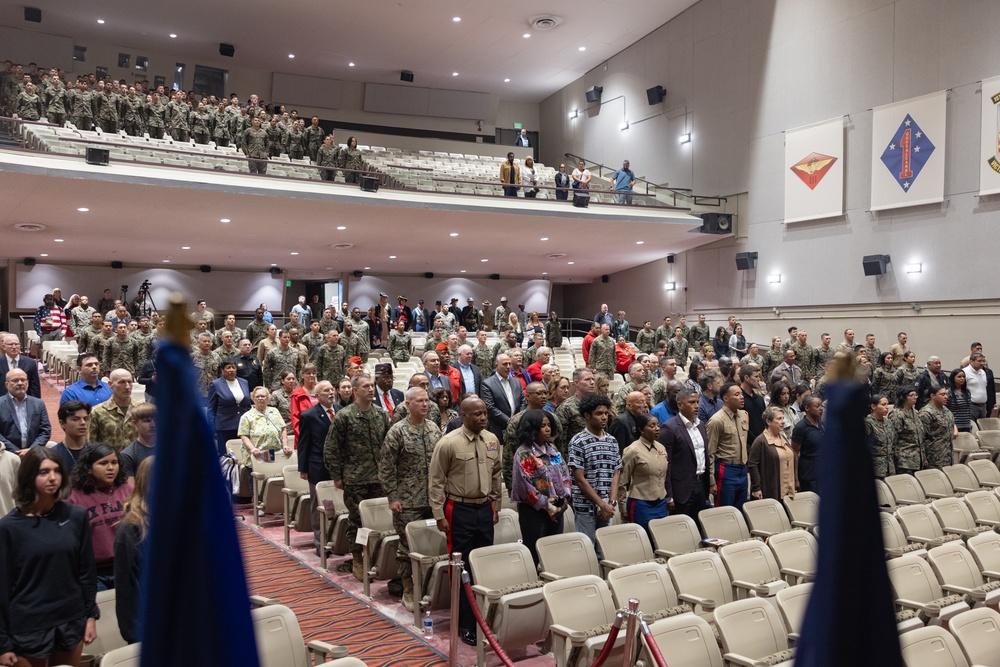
(455, 571)
(494, 644)
(654, 649)
(632, 614)
(609, 643)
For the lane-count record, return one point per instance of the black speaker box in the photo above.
(358, 274)
(205, 268)
(874, 265)
(594, 94)
(716, 223)
(655, 95)
(275, 270)
(98, 156)
(117, 265)
(494, 276)
(227, 50)
(581, 202)
(369, 183)
(29, 261)
(429, 275)
(605, 278)
(33, 14)
(406, 75)
(746, 260)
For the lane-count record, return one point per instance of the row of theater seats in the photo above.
(277, 632)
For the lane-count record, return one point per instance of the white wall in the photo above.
(364, 292)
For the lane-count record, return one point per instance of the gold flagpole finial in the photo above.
(844, 367)
(179, 324)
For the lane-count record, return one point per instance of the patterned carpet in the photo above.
(328, 614)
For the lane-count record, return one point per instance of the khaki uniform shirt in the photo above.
(644, 470)
(727, 438)
(464, 466)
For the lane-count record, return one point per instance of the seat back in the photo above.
(986, 472)
(109, 637)
(792, 603)
(649, 583)
(675, 534)
(688, 640)
(794, 550)
(961, 477)
(234, 447)
(375, 514)
(886, 502)
(750, 628)
(977, 632)
(726, 523)
(624, 543)
(953, 513)
(425, 538)
(750, 561)
(912, 579)
(579, 603)
(273, 468)
(328, 491)
(502, 565)
(567, 555)
(985, 548)
(932, 646)
(989, 424)
(920, 521)
(701, 573)
(766, 517)
(987, 439)
(953, 564)
(905, 488)
(279, 638)
(126, 656)
(892, 533)
(934, 482)
(984, 505)
(507, 529)
(293, 480)
(803, 507)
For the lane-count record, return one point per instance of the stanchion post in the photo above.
(455, 565)
(632, 617)
(366, 563)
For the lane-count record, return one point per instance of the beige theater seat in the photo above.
(958, 573)
(906, 490)
(623, 544)
(985, 507)
(766, 517)
(383, 540)
(688, 640)
(956, 518)
(650, 584)
(985, 549)
(579, 605)
(507, 529)
(886, 501)
(268, 480)
(566, 555)
(935, 484)
(701, 580)
(332, 520)
(916, 588)
(931, 647)
(792, 604)
(961, 477)
(429, 558)
(725, 523)
(298, 503)
(796, 554)
(803, 508)
(921, 525)
(752, 633)
(978, 635)
(986, 472)
(752, 569)
(894, 541)
(673, 535)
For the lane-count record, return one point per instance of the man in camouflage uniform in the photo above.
(257, 329)
(571, 421)
(200, 327)
(177, 117)
(143, 337)
(108, 422)
(403, 474)
(352, 451)
(753, 356)
(85, 336)
(677, 347)
(637, 380)
(255, 147)
(313, 339)
(872, 352)
(536, 395)
(328, 323)
(82, 107)
(645, 340)
(400, 346)
(939, 430)
(602, 353)
(80, 316)
(313, 137)
(295, 343)
(881, 436)
(504, 345)
(230, 326)
(206, 362)
(804, 355)
(663, 332)
(331, 358)
(363, 332)
(275, 137)
(433, 411)
(349, 340)
(822, 354)
(280, 361)
(699, 334)
(228, 348)
(96, 345)
(482, 355)
(122, 351)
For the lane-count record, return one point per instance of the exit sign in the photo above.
(288, 283)
(517, 126)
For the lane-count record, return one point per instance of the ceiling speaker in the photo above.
(406, 75)
(358, 274)
(275, 270)
(594, 94)
(655, 95)
(117, 265)
(205, 268)
(33, 14)
(874, 265)
(29, 261)
(746, 261)
(227, 50)
(494, 276)
(428, 275)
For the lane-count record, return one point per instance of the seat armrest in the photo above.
(909, 549)
(293, 493)
(481, 590)
(663, 553)
(326, 650)
(612, 564)
(988, 522)
(743, 585)
(761, 533)
(798, 574)
(988, 485)
(258, 475)
(561, 631)
(808, 525)
(936, 496)
(737, 659)
(904, 501)
(549, 576)
(261, 601)
(793, 637)
(958, 590)
(707, 604)
(989, 574)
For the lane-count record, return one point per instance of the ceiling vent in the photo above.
(556, 255)
(29, 227)
(543, 23)
(342, 246)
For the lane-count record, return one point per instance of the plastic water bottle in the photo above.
(428, 625)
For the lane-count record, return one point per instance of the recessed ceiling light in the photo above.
(545, 273)
(506, 80)
(571, 262)
(166, 261)
(544, 238)
(291, 55)
(223, 219)
(185, 247)
(101, 21)
(274, 265)
(462, 271)
(350, 64)
(484, 260)
(368, 268)
(295, 253)
(392, 257)
(582, 48)
(456, 19)
(639, 242)
(454, 73)
(44, 254)
(453, 234)
(83, 209)
(527, 35)
(341, 228)
(173, 36)
(58, 240)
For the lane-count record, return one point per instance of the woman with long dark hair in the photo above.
(541, 481)
(48, 582)
(101, 486)
(720, 343)
(132, 532)
(959, 401)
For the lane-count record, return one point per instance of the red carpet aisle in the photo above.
(328, 614)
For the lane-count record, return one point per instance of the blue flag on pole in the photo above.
(851, 618)
(194, 604)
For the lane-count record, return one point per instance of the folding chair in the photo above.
(796, 554)
(752, 568)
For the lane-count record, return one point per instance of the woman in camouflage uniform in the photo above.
(885, 378)
(909, 454)
(908, 371)
(281, 398)
(350, 158)
(881, 437)
(400, 345)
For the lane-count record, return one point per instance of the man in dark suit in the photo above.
(623, 427)
(503, 396)
(313, 426)
(12, 358)
(386, 397)
(686, 441)
(471, 376)
(24, 423)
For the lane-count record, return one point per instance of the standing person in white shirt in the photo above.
(685, 438)
(581, 181)
(975, 380)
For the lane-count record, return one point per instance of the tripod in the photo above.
(144, 306)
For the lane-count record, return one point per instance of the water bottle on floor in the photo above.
(428, 625)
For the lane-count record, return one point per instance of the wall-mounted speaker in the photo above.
(594, 94)
(358, 274)
(98, 156)
(717, 223)
(29, 261)
(746, 261)
(117, 265)
(655, 95)
(670, 259)
(428, 275)
(205, 268)
(605, 278)
(406, 75)
(275, 270)
(227, 50)
(494, 276)
(875, 265)
(33, 14)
